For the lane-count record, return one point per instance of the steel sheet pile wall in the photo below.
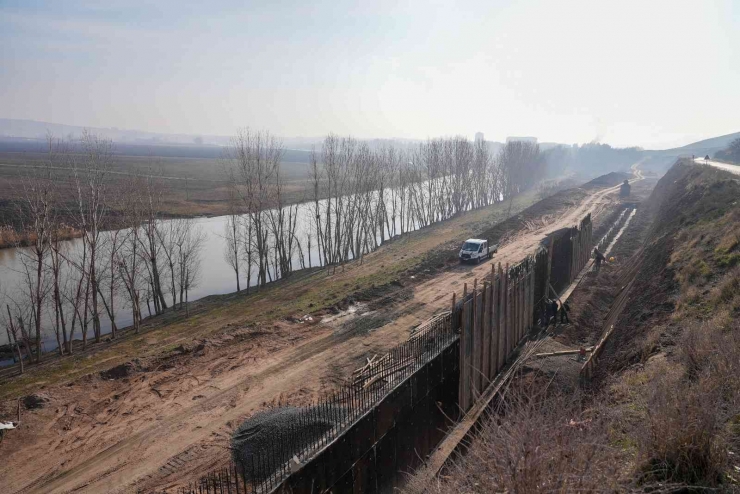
(495, 317)
(375, 454)
(571, 249)
(580, 240)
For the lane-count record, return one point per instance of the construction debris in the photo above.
(566, 352)
(6, 426)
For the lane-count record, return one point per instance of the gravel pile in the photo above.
(259, 433)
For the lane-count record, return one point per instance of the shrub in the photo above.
(535, 444)
(681, 442)
(728, 260)
(685, 437)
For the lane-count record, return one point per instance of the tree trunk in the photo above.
(12, 330)
(38, 308)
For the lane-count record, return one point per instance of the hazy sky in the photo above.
(642, 72)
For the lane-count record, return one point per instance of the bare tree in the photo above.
(12, 332)
(90, 175)
(36, 212)
(112, 278)
(150, 239)
(128, 257)
(233, 231)
(168, 234)
(255, 158)
(189, 251)
(315, 174)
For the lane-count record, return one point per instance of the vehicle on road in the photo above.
(476, 249)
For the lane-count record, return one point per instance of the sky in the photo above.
(650, 73)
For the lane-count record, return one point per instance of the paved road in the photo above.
(723, 166)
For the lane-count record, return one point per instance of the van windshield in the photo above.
(470, 246)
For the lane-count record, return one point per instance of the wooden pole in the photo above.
(476, 346)
(505, 315)
(485, 349)
(522, 302)
(550, 249)
(494, 324)
(501, 318)
(463, 363)
(452, 313)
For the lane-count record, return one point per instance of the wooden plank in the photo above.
(550, 249)
(512, 316)
(480, 350)
(521, 306)
(461, 384)
(453, 318)
(505, 324)
(494, 323)
(512, 313)
(476, 344)
(532, 281)
(517, 309)
(486, 343)
(468, 352)
(530, 297)
(562, 352)
(501, 321)
(509, 316)
(519, 301)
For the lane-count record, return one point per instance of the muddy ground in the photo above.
(162, 410)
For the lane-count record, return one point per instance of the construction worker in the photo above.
(598, 258)
(564, 309)
(554, 311)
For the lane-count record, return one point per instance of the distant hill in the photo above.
(720, 142)
(16, 145)
(661, 160)
(707, 146)
(32, 129)
(17, 135)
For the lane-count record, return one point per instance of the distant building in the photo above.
(533, 140)
(479, 137)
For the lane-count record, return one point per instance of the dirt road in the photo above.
(722, 166)
(153, 423)
(435, 295)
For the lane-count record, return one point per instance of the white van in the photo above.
(476, 249)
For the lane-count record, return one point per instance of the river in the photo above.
(216, 275)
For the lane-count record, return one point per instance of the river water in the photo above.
(216, 275)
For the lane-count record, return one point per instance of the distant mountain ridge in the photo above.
(714, 142)
(31, 129)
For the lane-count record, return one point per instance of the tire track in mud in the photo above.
(62, 481)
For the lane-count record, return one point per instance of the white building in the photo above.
(479, 137)
(533, 140)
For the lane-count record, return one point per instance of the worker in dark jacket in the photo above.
(564, 309)
(598, 258)
(554, 311)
